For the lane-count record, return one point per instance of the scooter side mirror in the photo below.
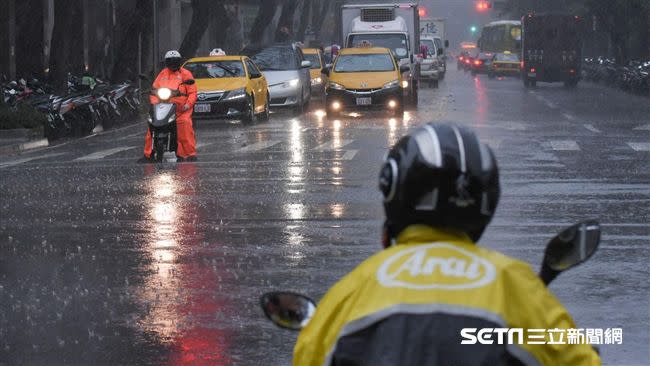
(189, 82)
(570, 248)
(287, 309)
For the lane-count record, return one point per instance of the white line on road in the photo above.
(643, 128)
(349, 155)
(564, 145)
(203, 144)
(568, 116)
(591, 128)
(333, 145)
(259, 146)
(24, 160)
(104, 153)
(132, 135)
(640, 146)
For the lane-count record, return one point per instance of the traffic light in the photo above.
(483, 5)
(422, 12)
(472, 29)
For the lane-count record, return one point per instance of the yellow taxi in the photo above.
(318, 80)
(229, 87)
(505, 64)
(364, 78)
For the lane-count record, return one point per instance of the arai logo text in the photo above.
(436, 266)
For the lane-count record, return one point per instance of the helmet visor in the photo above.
(173, 63)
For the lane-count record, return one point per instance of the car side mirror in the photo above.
(189, 82)
(570, 248)
(256, 76)
(439, 52)
(305, 64)
(326, 70)
(287, 309)
(404, 68)
(446, 43)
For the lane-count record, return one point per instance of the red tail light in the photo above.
(572, 71)
(478, 62)
(532, 69)
(467, 61)
(461, 58)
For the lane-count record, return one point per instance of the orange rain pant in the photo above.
(185, 136)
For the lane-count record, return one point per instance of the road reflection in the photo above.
(181, 293)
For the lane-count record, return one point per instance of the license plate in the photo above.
(202, 108)
(364, 101)
(532, 74)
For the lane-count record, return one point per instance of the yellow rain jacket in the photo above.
(406, 306)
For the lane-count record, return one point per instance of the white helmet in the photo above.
(172, 54)
(217, 52)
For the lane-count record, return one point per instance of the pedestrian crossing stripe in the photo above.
(564, 145)
(639, 146)
(259, 146)
(10, 163)
(333, 145)
(104, 153)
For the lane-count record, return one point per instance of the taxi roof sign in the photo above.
(364, 44)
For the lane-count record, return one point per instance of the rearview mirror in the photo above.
(439, 52)
(446, 43)
(305, 64)
(404, 68)
(570, 248)
(326, 70)
(288, 310)
(189, 82)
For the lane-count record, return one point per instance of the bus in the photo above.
(501, 36)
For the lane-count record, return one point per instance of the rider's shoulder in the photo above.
(185, 72)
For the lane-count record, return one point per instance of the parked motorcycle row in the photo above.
(634, 78)
(81, 109)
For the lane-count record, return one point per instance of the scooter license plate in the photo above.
(364, 101)
(202, 108)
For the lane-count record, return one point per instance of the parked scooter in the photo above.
(568, 249)
(162, 121)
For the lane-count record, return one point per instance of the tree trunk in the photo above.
(67, 42)
(126, 52)
(305, 17)
(264, 17)
(286, 22)
(29, 25)
(322, 14)
(202, 12)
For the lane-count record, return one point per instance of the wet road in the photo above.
(105, 261)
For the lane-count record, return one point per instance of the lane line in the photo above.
(333, 145)
(640, 146)
(591, 128)
(25, 160)
(568, 116)
(259, 146)
(349, 155)
(564, 145)
(643, 128)
(104, 153)
(204, 144)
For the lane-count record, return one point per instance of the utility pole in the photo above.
(12, 39)
(156, 40)
(85, 13)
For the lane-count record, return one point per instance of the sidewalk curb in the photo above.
(22, 147)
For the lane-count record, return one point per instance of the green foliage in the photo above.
(25, 116)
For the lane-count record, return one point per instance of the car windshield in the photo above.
(395, 42)
(364, 63)
(485, 56)
(314, 59)
(507, 57)
(216, 69)
(431, 48)
(276, 58)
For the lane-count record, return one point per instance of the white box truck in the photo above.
(393, 26)
(437, 28)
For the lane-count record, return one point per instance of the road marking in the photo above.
(349, 155)
(203, 144)
(259, 146)
(569, 117)
(24, 160)
(104, 153)
(333, 145)
(640, 146)
(564, 145)
(591, 128)
(643, 128)
(131, 136)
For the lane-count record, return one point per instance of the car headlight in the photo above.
(291, 83)
(164, 93)
(392, 84)
(405, 84)
(336, 86)
(236, 94)
(316, 81)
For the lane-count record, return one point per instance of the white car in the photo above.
(287, 73)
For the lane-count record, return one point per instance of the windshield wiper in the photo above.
(231, 72)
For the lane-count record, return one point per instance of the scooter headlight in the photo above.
(164, 93)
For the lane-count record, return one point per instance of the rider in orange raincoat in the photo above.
(172, 77)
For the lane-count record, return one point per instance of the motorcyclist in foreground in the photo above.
(172, 77)
(406, 305)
